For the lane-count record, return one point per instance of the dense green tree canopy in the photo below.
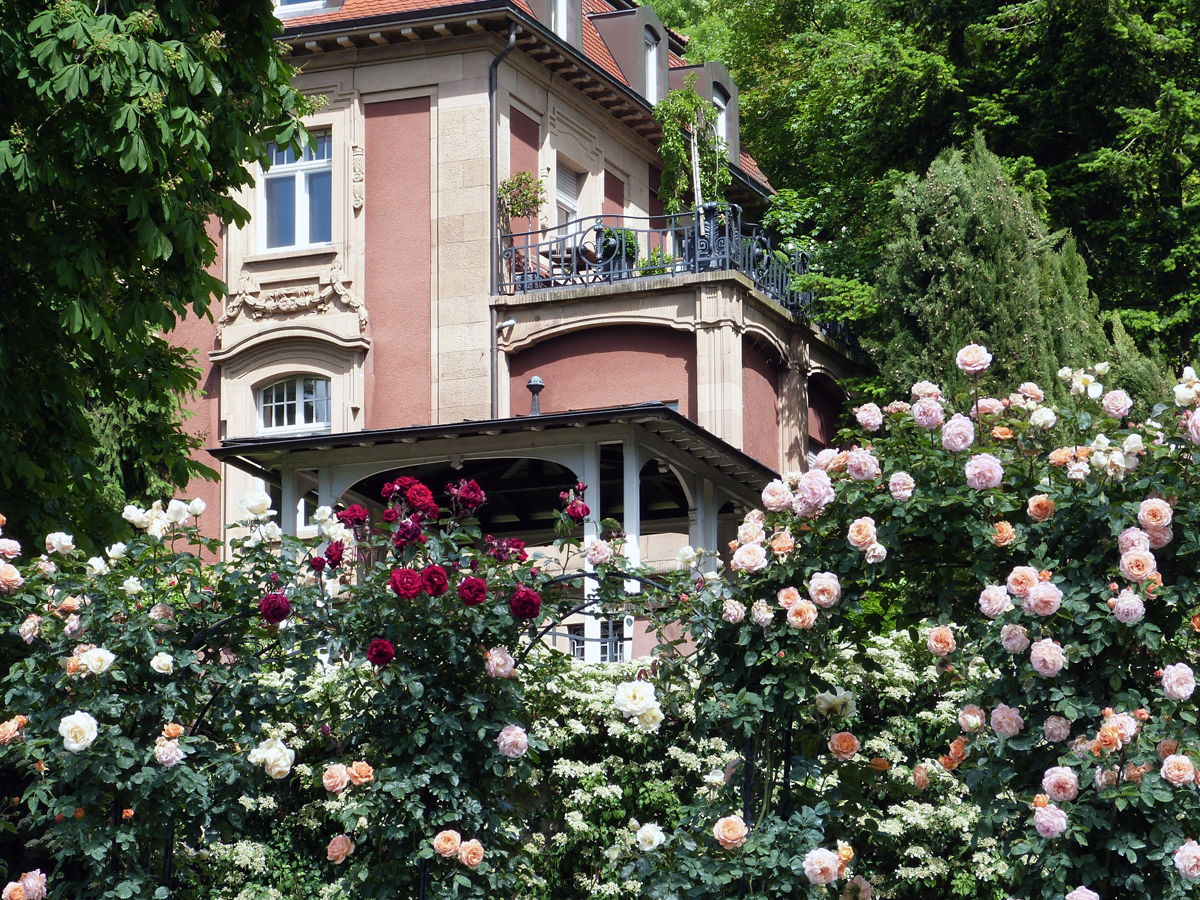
(124, 127)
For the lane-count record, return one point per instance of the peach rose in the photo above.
(1007, 721)
(926, 389)
(1004, 534)
(987, 406)
(1047, 658)
(1061, 456)
(470, 854)
(173, 731)
(921, 778)
(1134, 773)
(843, 746)
(782, 543)
(1124, 723)
(10, 578)
(1167, 747)
(1030, 391)
(973, 359)
(1003, 433)
(1056, 728)
(1133, 539)
(994, 602)
(824, 589)
(862, 533)
(971, 718)
(339, 848)
(822, 866)
(513, 741)
(1138, 565)
(1178, 770)
(776, 496)
(1160, 537)
(336, 778)
(1060, 784)
(1044, 599)
(733, 611)
(879, 764)
(446, 843)
(941, 641)
(1178, 682)
(1154, 513)
(498, 663)
(360, 773)
(802, 614)
(730, 832)
(1040, 507)
(9, 731)
(749, 558)
(1022, 580)
(14, 890)
(1014, 638)
(1108, 740)
(788, 596)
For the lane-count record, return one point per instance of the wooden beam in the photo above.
(441, 29)
(314, 47)
(346, 42)
(410, 33)
(475, 25)
(378, 37)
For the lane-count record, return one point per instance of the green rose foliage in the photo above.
(1069, 481)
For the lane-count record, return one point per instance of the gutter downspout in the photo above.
(493, 237)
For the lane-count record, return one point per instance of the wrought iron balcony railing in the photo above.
(610, 249)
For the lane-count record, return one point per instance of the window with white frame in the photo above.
(287, 7)
(567, 190)
(721, 102)
(576, 640)
(651, 66)
(297, 195)
(612, 640)
(297, 405)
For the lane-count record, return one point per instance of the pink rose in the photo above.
(1060, 784)
(730, 832)
(30, 628)
(1031, 391)
(857, 888)
(994, 602)
(987, 406)
(901, 485)
(1047, 658)
(1126, 725)
(9, 548)
(869, 416)
(1040, 508)
(1043, 599)
(1117, 404)
(1154, 513)
(1178, 682)
(928, 413)
(336, 778)
(941, 641)
(984, 471)
(1007, 721)
(10, 579)
(1082, 893)
(789, 595)
(749, 558)
(1128, 607)
(1056, 729)
(761, 613)
(1160, 537)
(339, 848)
(1104, 778)
(1178, 770)
(971, 718)
(861, 465)
(1193, 428)
(499, 663)
(897, 408)
(824, 589)
(973, 359)
(862, 533)
(168, 753)
(958, 434)
(814, 491)
(776, 496)
(825, 459)
(1133, 539)
(802, 614)
(513, 742)
(1138, 565)
(1187, 861)
(733, 611)
(875, 554)
(598, 552)
(34, 884)
(821, 866)
(1022, 580)
(1014, 638)
(926, 390)
(1050, 821)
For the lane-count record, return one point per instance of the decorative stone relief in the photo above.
(285, 300)
(358, 172)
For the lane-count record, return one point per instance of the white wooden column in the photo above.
(591, 477)
(702, 531)
(291, 500)
(632, 523)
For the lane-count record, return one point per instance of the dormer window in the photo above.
(721, 102)
(298, 405)
(652, 41)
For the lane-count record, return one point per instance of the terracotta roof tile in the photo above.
(676, 61)
(750, 167)
(593, 44)
(364, 9)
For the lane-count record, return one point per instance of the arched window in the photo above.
(651, 66)
(297, 405)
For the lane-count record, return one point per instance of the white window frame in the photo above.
(564, 202)
(560, 18)
(652, 41)
(299, 171)
(612, 643)
(300, 427)
(284, 9)
(721, 102)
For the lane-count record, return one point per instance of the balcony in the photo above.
(610, 249)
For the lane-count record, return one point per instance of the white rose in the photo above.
(135, 516)
(635, 697)
(168, 752)
(274, 756)
(59, 542)
(1043, 417)
(1065, 373)
(875, 554)
(177, 512)
(1133, 444)
(687, 557)
(116, 551)
(776, 496)
(197, 507)
(272, 533)
(257, 504)
(78, 731)
(1094, 390)
(157, 527)
(749, 558)
(650, 719)
(323, 514)
(650, 837)
(1101, 368)
(132, 585)
(835, 704)
(97, 660)
(96, 566)
(1185, 395)
(163, 663)
(598, 552)
(715, 778)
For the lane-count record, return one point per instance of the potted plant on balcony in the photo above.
(618, 250)
(520, 196)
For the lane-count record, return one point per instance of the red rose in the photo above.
(391, 514)
(578, 510)
(353, 515)
(526, 603)
(333, 554)
(435, 581)
(404, 482)
(468, 494)
(407, 532)
(380, 652)
(472, 591)
(317, 563)
(274, 608)
(420, 498)
(406, 583)
(388, 490)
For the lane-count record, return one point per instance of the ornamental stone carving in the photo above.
(286, 300)
(358, 172)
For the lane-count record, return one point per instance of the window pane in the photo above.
(281, 212)
(320, 218)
